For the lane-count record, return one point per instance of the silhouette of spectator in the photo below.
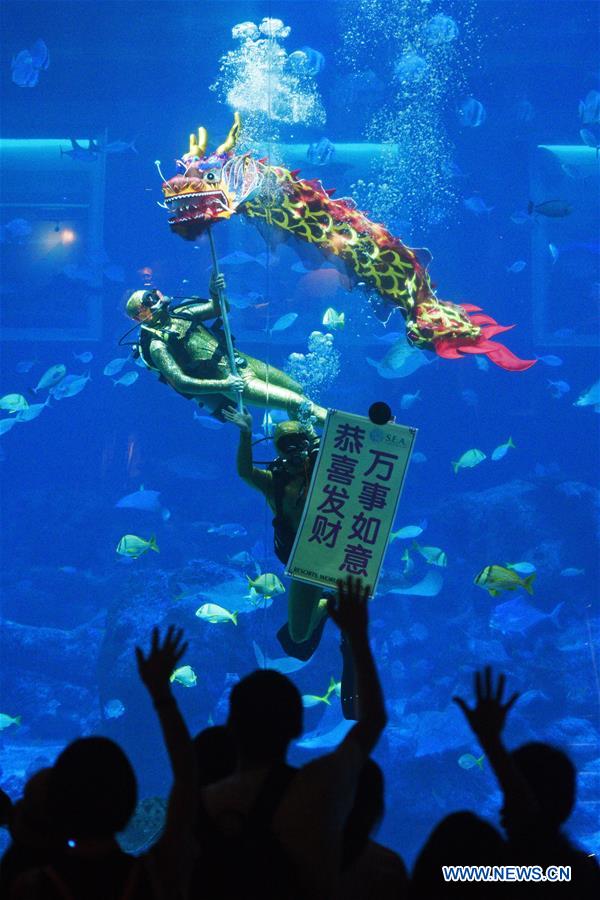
(284, 827)
(369, 869)
(92, 794)
(538, 783)
(216, 754)
(34, 842)
(6, 809)
(461, 839)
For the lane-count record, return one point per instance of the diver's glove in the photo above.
(217, 284)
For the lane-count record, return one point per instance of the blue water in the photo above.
(72, 609)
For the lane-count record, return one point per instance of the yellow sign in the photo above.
(352, 500)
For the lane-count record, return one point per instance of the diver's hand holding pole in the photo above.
(224, 314)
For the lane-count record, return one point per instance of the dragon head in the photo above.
(212, 186)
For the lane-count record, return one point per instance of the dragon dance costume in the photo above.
(222, 184)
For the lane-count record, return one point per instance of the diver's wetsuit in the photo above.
(284, 534)
(194, 360)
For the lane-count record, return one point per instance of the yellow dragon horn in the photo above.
(232, 137)
(197, 145)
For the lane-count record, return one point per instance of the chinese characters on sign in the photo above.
(352, 500)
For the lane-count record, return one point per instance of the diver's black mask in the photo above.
(294, 451)
(154, 301)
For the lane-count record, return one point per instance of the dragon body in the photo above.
(221, 184)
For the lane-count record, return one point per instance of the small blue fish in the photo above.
(86, 357)
(284, 322)
(551, 360)
(516, 267)
(476, 205)
(516, 616)
(126, 380)
(27, 65)
(82, 154)
(560, 388)
(230, 530)
(148, 501)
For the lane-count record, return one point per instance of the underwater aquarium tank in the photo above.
(389, 186)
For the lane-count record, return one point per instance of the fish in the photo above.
(118, 146)
(208, 422)
(400, 360)
(572, 573)
(320, 153)
(523, 568)
(27, 64)
(70, 386)
(315, 61)
(476, 205)
(19, 229)
(86, 357)
(501, 451)
(230, 530)
(516, 616)
(554, 252)
(127, 379)
(133, 546)
(51, 377)
(482, 363)
(516, 267)
(553, 209)
(284, 664)
(240, 258)
(409, 531)
(589, 109)
(309, 700)
(114, 273)
(267, 585)
(335, 321)
(429, 586)
(590, 397)
(184, 675)
(319, 740)
(472, 113)
(408, 400)
(32, 412)
(284, 322)
(6, 721)
(408, 562)
(113, 709)
(210, 612)
(115, 365)
(270, 420)
(496, 579)
(520, 217)
(469, 460)
(13, 402)
(590, 139)
(560, 388)
(82, 154)
(550, 360)
(468, 761)
(469, 397)
(433, 555)
(25, 365)
(243, 558)
(7, 424)
(144, 500)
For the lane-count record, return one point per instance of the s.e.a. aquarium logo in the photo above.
(378, 436)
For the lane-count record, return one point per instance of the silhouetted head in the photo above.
(265, 714)
(216, 754)
(551, 776)
(366, 813)
(92, 790)
(461, 838)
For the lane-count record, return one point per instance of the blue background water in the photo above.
(72, 609)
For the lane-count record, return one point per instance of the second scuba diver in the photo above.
(284, 484)
(192, 358)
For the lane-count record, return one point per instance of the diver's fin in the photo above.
(302, 650)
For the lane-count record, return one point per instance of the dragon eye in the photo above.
(210, 176)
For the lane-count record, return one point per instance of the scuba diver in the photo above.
(192, 358)
(284, 484)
